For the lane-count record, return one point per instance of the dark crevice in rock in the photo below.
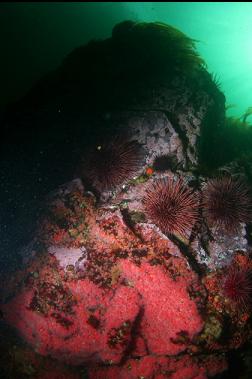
(134, 335)
(182, 135)
(129, 223)
(189, 254)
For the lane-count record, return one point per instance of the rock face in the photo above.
(129, 295)
(101, 285)
(144, 312)
(163, 367)
(133, 293)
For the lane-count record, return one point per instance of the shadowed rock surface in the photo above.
(94, 282)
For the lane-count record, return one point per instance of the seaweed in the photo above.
(216, 80)
(247, 114)
(162, 44)
(124, 55)
(226, 142)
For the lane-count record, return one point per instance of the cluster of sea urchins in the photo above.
(109, 164)
(170, 203)
(174, 207)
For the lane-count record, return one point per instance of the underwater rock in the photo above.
(229, 290)
(110, 306)
(107, 87)
(101, 284)
(69, 257)
(223, 247)
(25, 363)
(78, 322)
(135, 296)
(218, 249)
(167, 310)
(102, 90)
(95, 328)
(183, 367)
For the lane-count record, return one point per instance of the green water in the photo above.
(224, 32)
(38, 36)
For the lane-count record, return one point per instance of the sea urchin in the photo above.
(172, 206)
(237, 286)
(111, 163)
(227, 203)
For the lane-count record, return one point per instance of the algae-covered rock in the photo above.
(114, 287)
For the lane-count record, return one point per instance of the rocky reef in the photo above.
(140, 265)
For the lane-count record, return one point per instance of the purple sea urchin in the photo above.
(237, 286)
(227, 203)
(172, 206)
(111, 163)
